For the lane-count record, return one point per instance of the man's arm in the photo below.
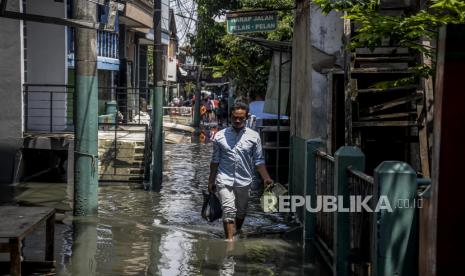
(212, 177)
(260, 163)
(264, 174)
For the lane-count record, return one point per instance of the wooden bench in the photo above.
(16, 224)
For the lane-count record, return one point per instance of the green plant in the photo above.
(404, 31)
(231, 57)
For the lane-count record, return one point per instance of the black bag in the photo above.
(211, 209)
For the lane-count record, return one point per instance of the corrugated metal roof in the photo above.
(283, 46)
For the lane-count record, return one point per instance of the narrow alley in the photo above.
(219, 137)
(144, 233)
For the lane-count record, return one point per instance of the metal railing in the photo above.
(107, 43)
(47, 108)
(355, 240)
(361, 232)
(325, 186)
(132, 103)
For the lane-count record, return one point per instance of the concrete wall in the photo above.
(326, 31)
(317, 47)
(46, 64)
(301, 79)
(326, 37)
(11, 74)
(321, 106)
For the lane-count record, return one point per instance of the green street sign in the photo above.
(239, 23)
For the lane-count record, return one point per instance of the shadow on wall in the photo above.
(7, 164)
(7, 161)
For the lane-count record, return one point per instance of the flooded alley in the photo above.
(147, 233)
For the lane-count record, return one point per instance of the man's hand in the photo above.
(268, 182)
(264, 174)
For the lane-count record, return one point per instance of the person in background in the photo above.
(216, 106)
(209, 107)
(224, 110)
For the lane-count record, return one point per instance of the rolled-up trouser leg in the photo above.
(227, 198)
(234, 201)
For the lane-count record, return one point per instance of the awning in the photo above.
(277, 93)
(283, 46)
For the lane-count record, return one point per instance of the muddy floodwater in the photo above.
(146, 233)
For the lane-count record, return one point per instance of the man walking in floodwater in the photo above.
(237, 152)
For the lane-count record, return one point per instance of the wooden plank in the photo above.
(49, 238)
(427, 86)
(380, 70)
(380, 59)
(387, 90)
(387, 116)
(425, 141)
(392, 104)
(15, 257)
(22, 220)
(385, 124)
(382, 51)
(384, 65)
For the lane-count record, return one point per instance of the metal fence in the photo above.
(361, 231)
(325, 186)
(132, 103)
(124, 152)
(48, 108)
(107, 43)
(359, 241)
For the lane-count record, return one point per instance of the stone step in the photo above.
(136, 178)
(139, 150)
(136, 171)
(139, 158)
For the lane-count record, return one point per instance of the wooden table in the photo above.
(16, 223)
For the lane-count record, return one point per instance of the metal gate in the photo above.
(124, 152)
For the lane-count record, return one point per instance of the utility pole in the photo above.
(86, 112)
(157, 103)
(197, 98)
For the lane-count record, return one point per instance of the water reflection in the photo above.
(144, 233)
